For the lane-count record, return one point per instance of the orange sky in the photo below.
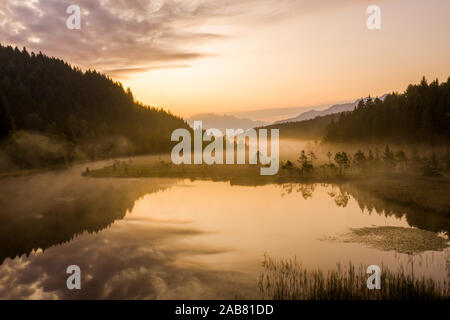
(324, 56)
(203, 56)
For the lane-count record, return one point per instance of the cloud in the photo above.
(127, 261)
(136, 36)
(125, 72)
(121, 256)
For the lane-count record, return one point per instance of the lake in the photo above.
(179, 239)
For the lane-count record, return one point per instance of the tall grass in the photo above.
(289, 280)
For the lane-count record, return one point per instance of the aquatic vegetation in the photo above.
(399, 239)
(289, 280)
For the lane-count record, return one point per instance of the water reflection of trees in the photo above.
(306, 190)
(45, 212)
(367, 201)
(341, 199)
(417, 217)
(40, 214)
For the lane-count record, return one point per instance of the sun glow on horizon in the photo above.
(316, 59)
(203, 57)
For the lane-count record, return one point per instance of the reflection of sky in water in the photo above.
(128, 260)
(205, 240)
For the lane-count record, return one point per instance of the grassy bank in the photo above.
(428, 193)
(236, 174)
(289, 280)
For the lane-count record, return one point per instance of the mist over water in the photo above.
(159, 238)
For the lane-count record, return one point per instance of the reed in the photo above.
(289, 280)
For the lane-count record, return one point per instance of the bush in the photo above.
(432, 167)
(29, 150)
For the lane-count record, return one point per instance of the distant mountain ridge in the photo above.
(232, 121)
(223, 122)
(337, 108)
(270, 115)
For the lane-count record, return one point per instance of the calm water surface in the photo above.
(169, 238)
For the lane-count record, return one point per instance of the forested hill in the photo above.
(47, 96)
(305, 129)
(420, 115)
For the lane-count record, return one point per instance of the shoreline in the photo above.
(425, 193)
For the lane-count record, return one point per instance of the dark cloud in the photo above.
(139, 35)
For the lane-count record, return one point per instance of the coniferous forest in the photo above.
(52, 113)
(420, 115)
(313, 164)
(307, 129)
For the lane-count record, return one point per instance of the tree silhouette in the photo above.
(343, 162)
(400, 157)
(329, 155)
(420, 114)
(388, 157)
(48, 96)
(360, 160)
(431, 167)
(306, 166)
